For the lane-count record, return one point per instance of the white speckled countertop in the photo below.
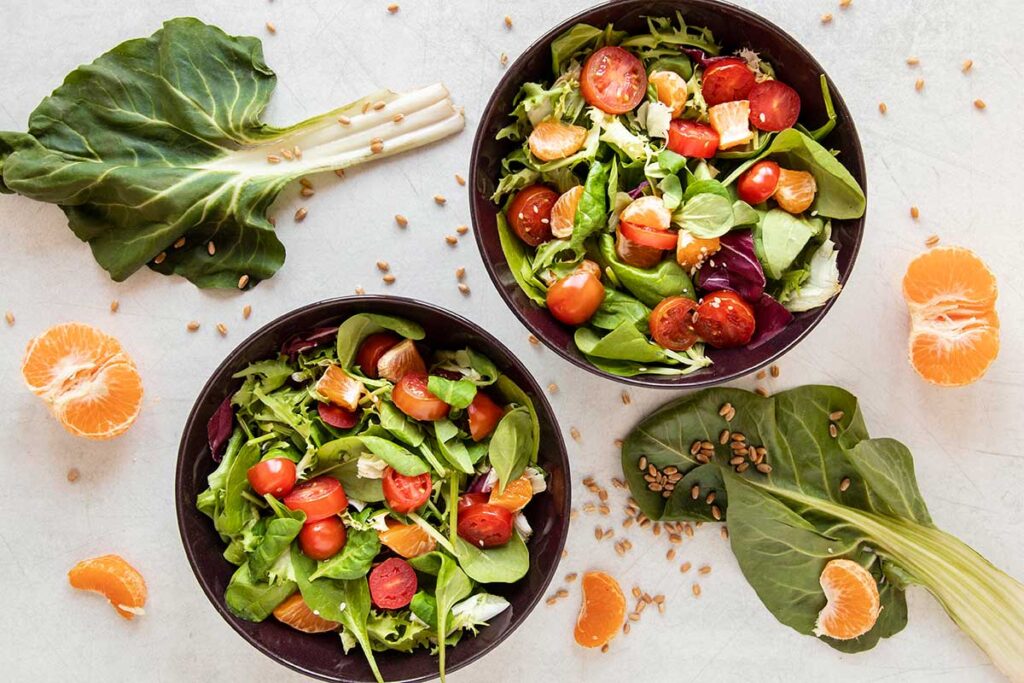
(932, 149)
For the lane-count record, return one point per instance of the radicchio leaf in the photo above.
(637, 191)
(770, 318)
(734, 267)
(219, 428)
(297, 343)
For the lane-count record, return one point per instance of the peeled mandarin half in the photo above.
(115, 579)
(853, 604)
(671, 88)
(294, 612)
(90, 384)
(954, 327)
(602, 612)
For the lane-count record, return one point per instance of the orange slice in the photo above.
(294, 612)
(338, 387)
(552, 140)
(692, 251)
(516, 495)
(853, 605)
(954, 333)
(90, 384)
(649, 212)
(115, 579)
(563, 213)
(731, 120)
(602, 612)
(795, 191)
(408, 540)
(671, 90)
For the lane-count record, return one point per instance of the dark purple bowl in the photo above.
(320, 655)
(734, 28)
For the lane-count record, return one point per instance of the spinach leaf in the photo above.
(339, 450)
(512, 445)
(450, 444)
(400, 425)
(237, 510)
(452, 586)
(649, 285)
(354, 560)
(518, 258)
(592, 210)
(780, 237)
(160, 139)
(424, 606)
(404, 461)
(254, 600)
(618, 308)
(830, 111)
(358, 327)
(456, 393)
(625, 342)
(504, 564)
(512, 394)
(356, 487)
(474, 366)
(279, 534)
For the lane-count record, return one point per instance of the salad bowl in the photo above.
(733, 28)
(320, 655)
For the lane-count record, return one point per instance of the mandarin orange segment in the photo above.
(731, 120)
(795, 191)
(563, 213)
(954, 334)
(516, 495)
(340, 388)
(853, 604)
(115, 579)
(408, 540)
(649, 212)
(692, 251)
(294, 612)
(553, 139)
(671, 88)
(602, 612)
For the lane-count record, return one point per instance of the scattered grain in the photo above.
(179, 243)
(243, 281)
(763, 468)
(388, 279)
(192, 326)
(915, 212)
(684, 567)
(222, 329)
(301, 214)
(393, 8)
(307, 192)
(246, 311)
(271, 28)
(761, 374)
(761, 391)
(503, 59)
(843, 4)
(575, 434)
(724, 532)
(569, 578)
(160, 258)
(533, 340)
(844, 484)
(344, 120)
(340, 172)
(617, 443)
(716, 512)
(775, 370)
(833, 431)
(919, 85)
(452, 240)
(979, 104)
(376, 146)
(913, 61)
(671, 554)
(705, 569)
(440, 200)
(464, 289)
(550, 601)
(359, 290)
(883, 107)
(508, 21)
(553, 388)
(826, 18)
(114, 306)
(401, 220)
(967, 65)
(460, 273)
(696, 590)
(836, 415)
(383, 266)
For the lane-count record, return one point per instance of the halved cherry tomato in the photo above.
(758, 182)
(575, 298)
(319, 498)
(485, 525)
(773, 106)
(648, 211)
(613, 80)
(529, 214)
(470, 499)
(404, 493)
(275, 476)
(671, 323)
(633, 254)
(372, 348)
(337, 417)
(648, 237)
(724, 320)
(413, 398)
(726, 80)
(692, 139)
(323, 539)
(484, 415)
(393, 582)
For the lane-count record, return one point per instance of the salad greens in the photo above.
(570, 199)
(829, 491)
(284, 411)
(157, 155)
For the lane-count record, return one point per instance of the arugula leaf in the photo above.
(354, 560)
(358, 327)
(456, 393)
(402, 460)
(512, 445)
(504, 564)
(649, 285)
(254, 600)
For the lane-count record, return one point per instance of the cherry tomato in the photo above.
(485, 525)
(414, 399)
(648, 237)
(470, 499)
(403, 493)
(613, 80)
(530, 213)
(692, 139)
(484, 415)
(575, 298)
(275, 476)
(336, 416)
(758, 182)
(773, 106)
(671, 323)
(372, 348)
(724, 320)
(393, 583)
(726, 80)
(319, 498)
(322, 539)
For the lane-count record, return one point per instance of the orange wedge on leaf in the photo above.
(853, 603)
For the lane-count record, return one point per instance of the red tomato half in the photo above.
(724, 320)
(758, 183)
(692, 139)
(337, 416)
(393, 583)
(726, 80)
(575, 298)
(372, 348)
(414, 399)
(319, 498)
(470, 499)
(529, 214)
(485, 525)
(671, 323)
(613, 80)
(484, 415)
(323, 539)
(773, 106)
(648, 237)
(275, 476)
(403, 493)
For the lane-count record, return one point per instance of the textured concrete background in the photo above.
(933, 149)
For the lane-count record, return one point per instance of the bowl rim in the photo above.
(326, 306)
(648, 380)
